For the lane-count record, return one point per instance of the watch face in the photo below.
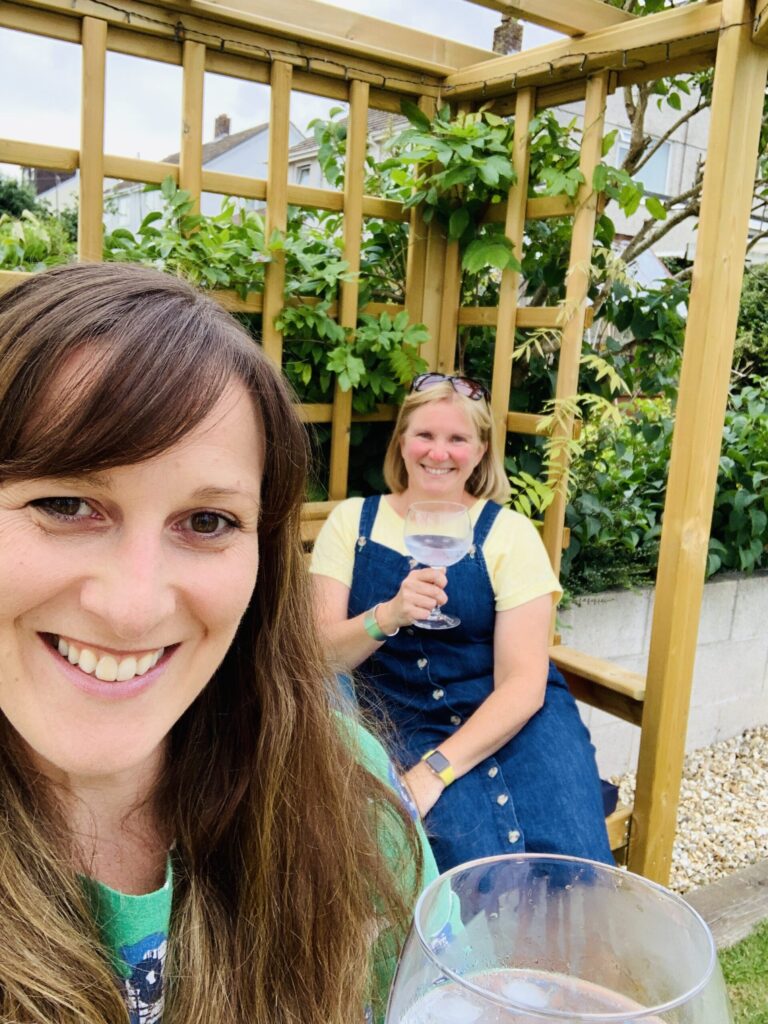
(438, 762)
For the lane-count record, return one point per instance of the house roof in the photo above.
(217, 148)
(381, 123)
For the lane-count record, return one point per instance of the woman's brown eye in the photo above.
(63, 508)
(205, 522)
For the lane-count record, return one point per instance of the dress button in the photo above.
(438, 694)
(493, 772)
(455, 720)
(513, 836)
(422, 663)
(501, 799)
(410, 631)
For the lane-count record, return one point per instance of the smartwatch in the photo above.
(440, 765)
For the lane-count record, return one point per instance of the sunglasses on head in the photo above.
(461, 385)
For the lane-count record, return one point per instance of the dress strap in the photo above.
(368, 516)
(485, 521)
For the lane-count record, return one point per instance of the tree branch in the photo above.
(700, 105)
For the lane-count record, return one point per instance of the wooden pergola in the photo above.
(369, 63)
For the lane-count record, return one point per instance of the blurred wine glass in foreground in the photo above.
(534, 939)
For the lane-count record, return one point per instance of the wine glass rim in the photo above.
(568, 1015)
(448, 506)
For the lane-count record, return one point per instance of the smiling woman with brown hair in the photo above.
(190, 829)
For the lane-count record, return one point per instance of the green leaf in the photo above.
(656, 208)
(609, 140)
(458, 223)
(415, 115)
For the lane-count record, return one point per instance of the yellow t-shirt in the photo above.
(517, 561)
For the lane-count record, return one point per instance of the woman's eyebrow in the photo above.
(94, 478)
(212, 492)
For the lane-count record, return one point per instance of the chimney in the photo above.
(508, 37)
(221, 126)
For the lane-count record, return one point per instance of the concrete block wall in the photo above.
(730, 682)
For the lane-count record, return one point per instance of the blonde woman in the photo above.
(495, 754)
(190, 831)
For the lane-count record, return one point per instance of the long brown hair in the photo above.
(488, 479)
(279, 878)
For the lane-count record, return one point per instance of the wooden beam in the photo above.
(572, 17)
(514, 229)
(760, 34)
(90, 224)
(33, 154)
(418, 231)
(128, 168)
(23, 18)
(449, 312)
(10, 278)
(526, 317)
(406, 76)
(277, 204)
(354, 181)
(577, 287)
(667, 35)
(191, 151)
(343, 30)
(737, 104)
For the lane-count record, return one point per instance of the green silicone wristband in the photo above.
(373, 629)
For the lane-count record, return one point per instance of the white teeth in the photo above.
(144, 663)
(106, 670)
(107, 667)
(126, 669)
(88, 660)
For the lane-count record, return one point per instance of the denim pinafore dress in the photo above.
(540, 792)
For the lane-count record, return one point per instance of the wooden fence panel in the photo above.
(277, 203)
(354, 181)
(90, 228)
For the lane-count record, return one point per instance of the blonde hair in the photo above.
(279, 875)
(488, 479)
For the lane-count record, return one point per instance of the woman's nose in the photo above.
(439, 451)
(130, 590)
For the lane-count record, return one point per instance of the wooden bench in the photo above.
(594, 681)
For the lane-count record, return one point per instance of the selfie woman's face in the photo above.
(121, 593)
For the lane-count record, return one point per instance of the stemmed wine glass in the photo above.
(539, 939)
(437, 534)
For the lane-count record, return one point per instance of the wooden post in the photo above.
(90, 225)
(415, 273)
(514, 229)
(576, 300)
(737, 104)
(191, 153)
(277, 203)
(434, 271)
(354, 178)
(449, 313)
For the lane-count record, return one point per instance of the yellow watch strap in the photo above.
(440, 765)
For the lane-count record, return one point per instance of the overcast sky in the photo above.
(40, 83)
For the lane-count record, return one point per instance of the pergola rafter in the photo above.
(370, 64)
(573, 17)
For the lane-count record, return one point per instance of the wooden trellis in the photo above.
(371, 64)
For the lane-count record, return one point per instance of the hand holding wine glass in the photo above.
(438, 534)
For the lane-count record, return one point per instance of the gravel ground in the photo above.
(722, 819)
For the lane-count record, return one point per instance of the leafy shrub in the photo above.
(740, 523)
(751, 351)
(227, 250)
(614, 516)
(33, 242)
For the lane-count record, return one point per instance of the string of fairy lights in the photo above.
(180, 32)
